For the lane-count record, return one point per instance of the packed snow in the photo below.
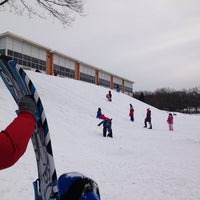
(137, 163)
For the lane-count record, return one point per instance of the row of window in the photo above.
(63, 71)
(27, 61)
(35, 63)
(87, 78)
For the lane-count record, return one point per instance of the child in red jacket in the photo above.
(131, 113)
(14, 139)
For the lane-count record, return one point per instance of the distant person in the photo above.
(37, 70)
(100, 115)
(117, 88)
(131, 113)
(107, 127)
(148, 119)
(170, 122)
(109, 96)
(55, 74)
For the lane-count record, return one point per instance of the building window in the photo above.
(104, 82)
(2, 51)
(128, 89)
(63, 71)
(10, 53)
(27, 61)
(87, 78)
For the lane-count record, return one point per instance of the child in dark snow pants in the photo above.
(107, 126)
(148, 119)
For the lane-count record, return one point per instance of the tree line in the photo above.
(185, 101)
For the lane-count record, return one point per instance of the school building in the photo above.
(32, 56)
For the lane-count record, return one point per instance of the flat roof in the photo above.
(17, 37)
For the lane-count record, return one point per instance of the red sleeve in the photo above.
(103, 117)
(14, 139)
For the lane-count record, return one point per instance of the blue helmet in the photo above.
(75, 186)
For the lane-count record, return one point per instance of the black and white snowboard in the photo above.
(19, 84)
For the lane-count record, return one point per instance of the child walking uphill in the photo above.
(148, 119)
(170, 121)
(109, 96)
(107, 126)
(131, 113)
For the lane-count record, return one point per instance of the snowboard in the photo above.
(19, 84)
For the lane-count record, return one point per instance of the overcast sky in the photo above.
(155, 43)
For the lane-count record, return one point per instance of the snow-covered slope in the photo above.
(138, 163)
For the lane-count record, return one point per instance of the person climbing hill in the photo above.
(109, 96)
(148, 119)
(170, 121)
(131, 113)
(107, 127)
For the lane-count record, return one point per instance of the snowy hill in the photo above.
(138, 163)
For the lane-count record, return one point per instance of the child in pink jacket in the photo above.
(170, 122)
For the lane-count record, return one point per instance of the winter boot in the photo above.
(145, 124)
(110, 134)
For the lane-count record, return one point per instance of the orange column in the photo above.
(77, 70)
(49, 63)
(97, 77)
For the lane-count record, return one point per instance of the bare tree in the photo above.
(2, 2)
(63, 10)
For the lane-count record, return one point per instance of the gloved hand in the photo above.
(26, 103)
